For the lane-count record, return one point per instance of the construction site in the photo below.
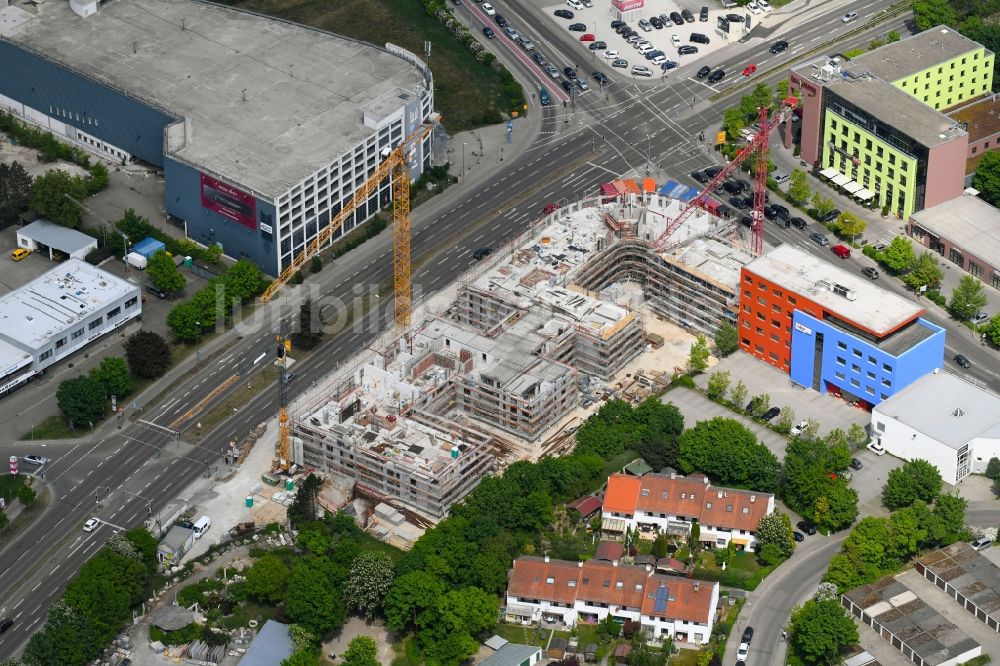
(505, 363)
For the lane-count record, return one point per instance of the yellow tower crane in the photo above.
(394, 166)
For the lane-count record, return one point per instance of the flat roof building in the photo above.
(944, 419)
(263, 128)
(45, 236)
(875, 124)
(832, 330)
(968, 577)
(57, 314)
(965, 231)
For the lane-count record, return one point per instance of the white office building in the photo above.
(944, 419)
(57, 314)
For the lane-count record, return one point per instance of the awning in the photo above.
(864, 195)
(631, 187)
(648, 185)
(840, 179)
(608, 189)
(520, 611)
(613, 525)
(740, 542)
(852, 187)
(829, 172)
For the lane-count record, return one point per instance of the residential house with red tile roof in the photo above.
(671, 503)
(558, 591)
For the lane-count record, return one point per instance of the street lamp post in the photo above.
(647, 154)
(197, 350)
(464, 144)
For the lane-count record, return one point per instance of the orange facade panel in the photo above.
(765, 319)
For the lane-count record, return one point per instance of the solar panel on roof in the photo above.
(660, 602)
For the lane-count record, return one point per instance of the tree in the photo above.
(314, 597)
(370, 581)
(15, 192)
(733, 121)
(776, 529)
(698, 356)
(786, 419)
(718, 384)
(243, 281)
(26, 496)
(992, 329)
(892, 36)
(770, 554)
(931, 13)
(81, 400)
(821, 205)
(304, 656)
(798, 186)
(761, 403)
(820, 630)
(856, 436)
(412, 600)
(916, 480)
(738, 394)
(67, 638)
(967, 298)
(849, 225)
(112, 374)
(926, 273)
(729, 454)
(164, 274)
(986, 179)
(306, 506)
(361, 651)
(948, 519)
(186, 322)
(267, 579)
(57, 196)
(899, 255)
(993, 468)
(726, 339)
(145, 545)
(147, 354)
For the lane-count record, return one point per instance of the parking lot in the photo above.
(592, 26)
(13, 274)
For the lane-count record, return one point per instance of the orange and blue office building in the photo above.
(832, 330)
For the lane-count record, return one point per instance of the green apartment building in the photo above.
(875, 124)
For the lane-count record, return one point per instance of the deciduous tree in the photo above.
(967, 298)
(916, 480)
(992, 330)
(849, 225)
(412, 600)
(726, 339)
(821, 206)
(931, 13)
(370, 581)
(776, 529)
(147, 354)
(26, 495)
(15, 191)
(820, 630)
(899, 256)
(314, 599)
(798, 186)
(926, 273)
(361, 651)
(81, 400)
(304, 656)
(243, 281)
(164, 274)
(718, 384)
(113, 375)
(268, 578)
(729, 453)
(67, 638)
(698, 356)
(738, 394)
(58, 197)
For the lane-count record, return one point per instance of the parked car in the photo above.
(611, 55)
(668, 65)
(819, 238)
(687, 16)
(676, 18)
(641, 70)
(747, 635)
(798, 222)
(577, 27)
(869, 273)
(733, 186)
(979, 318)
(488, 9)
(597, 46)
(575, 4)
(754, 9)
(19, 253)
(35, 459)
(713, 171)
(742, 651)
(806, 527)
(620, 63)
(687, 49)
(751, 406)
(675, 41)
(841, 251)
(735, 18)
(587, 37)
(798, 536)
(798, 428)
(656, 22)
(703, 72)
(740, 203)
(962, 362)
(699, 38)
(564, 13)
(856, 464)
(645, 25)
(703, 15)
(831, 216)
(771, 413)
(488, 31)
(876, 447)
(982, 543)
(779, 46)
(483, 252)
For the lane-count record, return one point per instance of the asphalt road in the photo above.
(128, 474)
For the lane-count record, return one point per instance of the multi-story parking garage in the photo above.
(263, 129)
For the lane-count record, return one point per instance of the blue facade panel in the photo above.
(80, 102)
(182, 191)
(854, 365)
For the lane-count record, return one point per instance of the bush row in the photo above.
(51, 149)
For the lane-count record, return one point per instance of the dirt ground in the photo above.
(28, 157)
(356, 626)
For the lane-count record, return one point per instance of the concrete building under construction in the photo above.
(424, 416)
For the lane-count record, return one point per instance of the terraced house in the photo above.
(878, 125)
(672, 503)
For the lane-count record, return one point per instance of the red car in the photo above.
(549, 208)
(587, 37)
(842, 251)
(749, 69)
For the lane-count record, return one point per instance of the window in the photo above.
(871, 375)
(955, 256)
(114, 313)
(841, 361)
(887, 383)
(77, 333)
(855, 368)
(791, 299)
(550, 580)
(45, 354)
(856, 352)
(855, 382)
(130, 302)
(886, 367)
(61, 342)
(708, 505)
(619, 585)
(841, 345)
(839, 375)
(773, 356)
(869, 390)
(94, 324)
(774, 336)
(975, 270)
(571, 583)
(871, 359)
(762, 287)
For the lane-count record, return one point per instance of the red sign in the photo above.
(228, 201)
(628, 5)
(12, 465)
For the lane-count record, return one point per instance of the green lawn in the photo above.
(54, 427)
(466, 92)
(516, 633)
(686, 658)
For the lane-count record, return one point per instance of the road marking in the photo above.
(55, 569)
(37, 585)
(18, 604)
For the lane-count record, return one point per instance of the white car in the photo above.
(675, 41)
(488, 8)
(799, 428)
(611, 55)
(587, 3)
(763, 5)
(755, 9)
(876, 447)
(742, 651)
(35, 460)
(659, 60)
(644, 48)
(91, 524)
(982, 543)
(575, 4)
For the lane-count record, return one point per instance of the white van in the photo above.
(201, 526)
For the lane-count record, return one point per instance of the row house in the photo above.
(559, 591)
(672, 503)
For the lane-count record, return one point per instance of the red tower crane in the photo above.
(759, 145)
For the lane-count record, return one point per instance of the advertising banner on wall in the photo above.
(228, 201)
(628, 5)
